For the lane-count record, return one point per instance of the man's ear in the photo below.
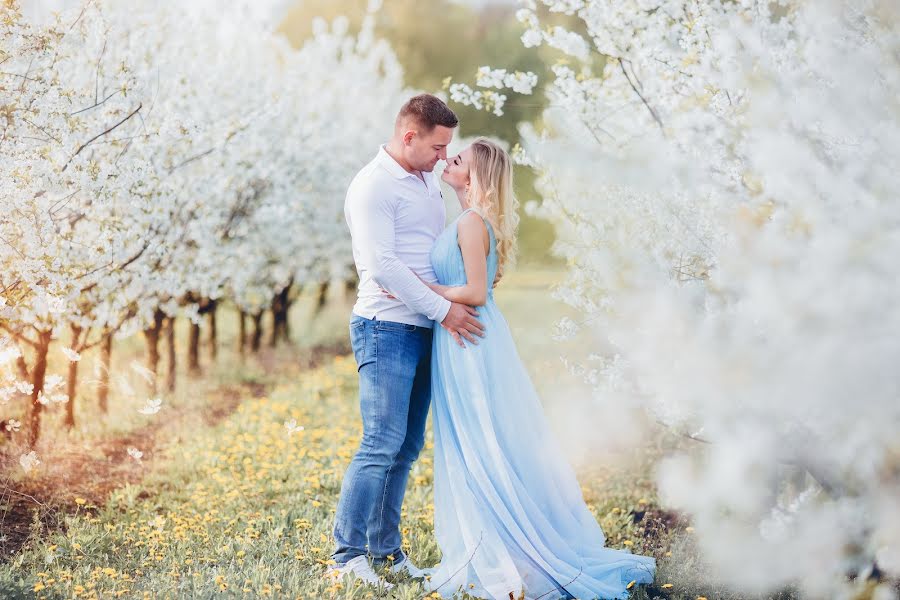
(408, 136)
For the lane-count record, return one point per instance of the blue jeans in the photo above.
(394, 396)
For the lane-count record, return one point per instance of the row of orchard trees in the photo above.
(157, 158)
(724, 177)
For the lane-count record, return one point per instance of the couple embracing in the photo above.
(509, 515)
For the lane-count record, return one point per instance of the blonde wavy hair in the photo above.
(491, 195)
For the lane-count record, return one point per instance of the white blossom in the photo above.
(151, 406)
(29, 461)
(70, 354)
(292, 427)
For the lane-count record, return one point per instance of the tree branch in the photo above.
(96, 104)
(18, 336)
(124, 265)
(580, 572)
(191, 159)
(32, 498)
(42, 130)
(641, 96)
(97, 72)
(452, 575)
(101, 134)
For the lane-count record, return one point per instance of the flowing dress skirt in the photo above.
(509, 512)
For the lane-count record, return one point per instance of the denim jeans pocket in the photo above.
(358, 343)
(394, 326)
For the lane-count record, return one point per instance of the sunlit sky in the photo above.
(268, 11)
(264, 9)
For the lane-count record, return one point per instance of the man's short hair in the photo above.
(427, 111)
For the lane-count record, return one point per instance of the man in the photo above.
(395, 212)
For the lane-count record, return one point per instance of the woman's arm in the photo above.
(474, 243)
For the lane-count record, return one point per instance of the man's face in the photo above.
(425, 149)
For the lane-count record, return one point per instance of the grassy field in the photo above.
(240, 506)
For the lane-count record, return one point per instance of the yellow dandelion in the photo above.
(666, 586)
(80, 501)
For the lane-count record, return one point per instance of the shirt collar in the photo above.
(391, 165)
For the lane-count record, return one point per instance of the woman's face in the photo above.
(457, 172)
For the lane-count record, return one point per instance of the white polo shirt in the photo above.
(394, 219)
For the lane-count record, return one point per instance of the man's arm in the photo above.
(372, 217)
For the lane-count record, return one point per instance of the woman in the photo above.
(509, 513)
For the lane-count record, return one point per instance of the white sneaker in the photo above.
(407, 566)
(361, 568)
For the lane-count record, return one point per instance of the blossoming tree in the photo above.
(148, 172)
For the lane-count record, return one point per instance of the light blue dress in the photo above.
(508, 511)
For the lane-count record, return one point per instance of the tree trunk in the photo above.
(105, 360)
(350, 287)
(38, 375)
(213, 332)
(256, 337)
(72, 382)
(152, 337)
(286, 323)
(280, 306)
(242, 332)
(172, 359)
(276, 321)
(194, 348)
(321, 297)
(24, 373)
(23, 368)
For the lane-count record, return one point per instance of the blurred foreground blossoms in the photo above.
(148, 168)
(724, 180)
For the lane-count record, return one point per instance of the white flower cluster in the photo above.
(498, 79)
(480, 100)
(518, 81)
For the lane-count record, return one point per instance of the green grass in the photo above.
(245, 509)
